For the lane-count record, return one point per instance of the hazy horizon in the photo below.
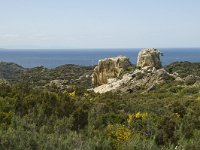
(102, 49)
(105, 24)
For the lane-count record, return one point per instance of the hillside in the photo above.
(184, 68)
(52, 109)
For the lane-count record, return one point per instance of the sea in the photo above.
(52, 58)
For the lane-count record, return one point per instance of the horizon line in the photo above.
(121, 48)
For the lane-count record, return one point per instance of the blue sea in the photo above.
(87, 57)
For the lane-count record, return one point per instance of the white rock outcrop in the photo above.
(109, 68)
(116, 84)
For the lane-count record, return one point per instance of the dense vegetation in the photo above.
(184, 68)
(36, 117)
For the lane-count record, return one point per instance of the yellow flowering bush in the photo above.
(138, 115)
(118, 132)
(72, 94)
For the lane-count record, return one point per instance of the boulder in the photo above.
(191, 79)
(149, 58)
(109, 68)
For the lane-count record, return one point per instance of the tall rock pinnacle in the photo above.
(149, 58)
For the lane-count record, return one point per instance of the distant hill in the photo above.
(10, 71)
(40, 76)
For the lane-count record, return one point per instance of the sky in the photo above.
(51, 24)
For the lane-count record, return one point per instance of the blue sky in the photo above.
(99, 23)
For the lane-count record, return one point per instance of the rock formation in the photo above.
(149, 58)
(139, 79)
(149, 74)
(109, 68)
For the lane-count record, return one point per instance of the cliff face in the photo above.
(149, 58)
(109, 68)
